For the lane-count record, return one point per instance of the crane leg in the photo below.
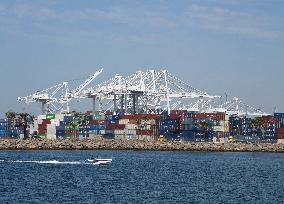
(94, 105)
(114, 103)
(121, 104)
(42, 108)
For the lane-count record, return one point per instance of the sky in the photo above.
(218, 46)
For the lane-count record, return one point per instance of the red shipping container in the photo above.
(269, 119)
(96, 122)
(213, 116)
(144, 132)
(42, 130)
(133, 121)
(280, 135)
(71, 132)
(93, 122)
(101, 122)
(45, 121)
(42, 126)
(140, 116)
(280, 130)
(115, 127)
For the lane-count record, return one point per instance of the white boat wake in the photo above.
(88, 161)
(43, 162)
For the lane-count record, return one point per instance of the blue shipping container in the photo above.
(68, 118)
(96, 127)
(60, 132)
(279, 115)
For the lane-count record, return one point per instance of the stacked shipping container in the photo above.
(178, 125)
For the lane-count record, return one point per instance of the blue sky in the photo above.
(222, 46)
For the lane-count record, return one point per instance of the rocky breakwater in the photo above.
(88, 144)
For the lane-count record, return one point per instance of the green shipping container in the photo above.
(50, 116)
(43, 136)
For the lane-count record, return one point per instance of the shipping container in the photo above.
(50, 116)
(115, 127)
(279, 115)
(68, 118)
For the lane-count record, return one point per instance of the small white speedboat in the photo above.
(98, 161)
(102, 161)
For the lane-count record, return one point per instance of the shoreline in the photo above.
(90, 144)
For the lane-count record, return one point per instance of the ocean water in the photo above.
(141, 177)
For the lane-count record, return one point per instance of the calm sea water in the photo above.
(141, 177)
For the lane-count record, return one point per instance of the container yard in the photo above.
(178, 125)
(151, 105)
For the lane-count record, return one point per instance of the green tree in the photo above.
(11, 115)
(74, 125)
(205, 126)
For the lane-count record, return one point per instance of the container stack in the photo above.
(4, 128)
(146, 127)
(279, 117)
(17, 128)
(42, 128)
(169, 128)
(205, 126)
(240, 126)
(178, 125)
(131, 127)
(269, 128)
(279, 125)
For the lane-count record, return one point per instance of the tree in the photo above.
(258, 123)
(74, 125)
(10, 115)
(204, 125)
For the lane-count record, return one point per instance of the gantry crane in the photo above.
(58, 97)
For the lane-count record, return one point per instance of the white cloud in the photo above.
(196, 16)
(225, 20)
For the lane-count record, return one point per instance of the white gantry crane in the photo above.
(237, 107)
(151, 91)
(144, 91)
(77, 92)
(232, 107)
(58, 97)
(47, 96)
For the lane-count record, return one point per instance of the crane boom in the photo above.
(76, 92)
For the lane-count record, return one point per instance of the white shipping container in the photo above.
(41, 117)
(123, 121)
(55, 121)
(59, 116)
(132, 137)
(145, 138)
(102, 132)
(130, 126)
(130, 132)
(148, 122)
(227, 117)
(51, 129)
(224, 123)
(95, 136)
(219, 128)
(280, 141)
(118, 132)
(38, 121)
(51, 136)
